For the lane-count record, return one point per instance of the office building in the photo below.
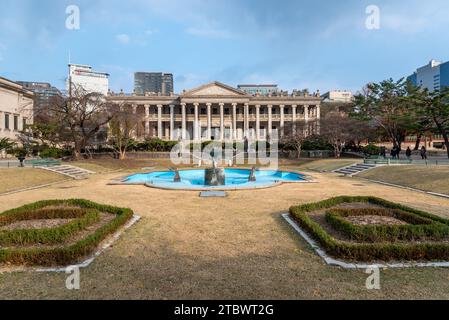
(153, 83)
(433, 76)
(82, 76)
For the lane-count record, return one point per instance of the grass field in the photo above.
(431, 178)
(21, 178)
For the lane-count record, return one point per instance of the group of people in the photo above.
(396, 151)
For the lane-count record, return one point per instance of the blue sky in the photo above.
(299, 44)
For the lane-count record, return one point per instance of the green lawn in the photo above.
(21, 178)
(431, 178)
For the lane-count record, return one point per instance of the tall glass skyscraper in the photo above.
(153, 82)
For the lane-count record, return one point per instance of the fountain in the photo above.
(214, 176)
(252, 175)
(177, 177)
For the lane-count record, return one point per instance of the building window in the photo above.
(24, 124)
(6, 121)
(16, 123)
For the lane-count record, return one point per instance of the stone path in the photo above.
(69, 171)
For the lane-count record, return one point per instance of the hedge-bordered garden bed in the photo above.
(62, 255)
(417, 227)
(365, 252)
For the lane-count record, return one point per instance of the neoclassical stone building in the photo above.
(216, 111)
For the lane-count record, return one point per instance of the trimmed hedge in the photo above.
(83, 219)
(71, 253)
(366, 252)
(418, 228)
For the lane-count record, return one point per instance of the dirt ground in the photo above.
(239, 247)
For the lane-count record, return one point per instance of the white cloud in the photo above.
(123, 38)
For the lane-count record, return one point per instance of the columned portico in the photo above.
(201, 113)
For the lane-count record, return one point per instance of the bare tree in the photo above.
(80, 117)
(339, 130)
(122, 129)
(296, 134)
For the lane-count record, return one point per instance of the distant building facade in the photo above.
(216, 111)
(16, 108)
(263, 89)
(434, 76)
(85, 77)
(338, 96)
(153, 82)
(43, 93)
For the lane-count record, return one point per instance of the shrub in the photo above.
(372, 150)
(55, 153)
(369, 251)
(68, 254)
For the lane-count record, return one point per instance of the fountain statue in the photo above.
(252, 175)
(214, 176)
(177, 177)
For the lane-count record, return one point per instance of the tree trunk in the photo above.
(446, 141)
(418, 142)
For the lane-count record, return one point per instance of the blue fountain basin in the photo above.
(194, 179)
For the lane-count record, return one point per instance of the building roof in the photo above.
(14, 86)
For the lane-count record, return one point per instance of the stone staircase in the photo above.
(355, 169)
(69, 171)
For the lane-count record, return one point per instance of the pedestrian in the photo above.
(393, 153)
(424, 153)
(383, 152)
(408, 153)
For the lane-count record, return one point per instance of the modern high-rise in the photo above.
(262, 89)
(153, 82)
(43, 93)
(433, 76)
(82, 76)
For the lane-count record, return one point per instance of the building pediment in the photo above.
(214, 89)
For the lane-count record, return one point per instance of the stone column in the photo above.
(306, 113)
(147, 120)
(184, 121)
(282, 108)
(257, 122)
(294, 118)
(222, 126)
(270, 120)
(172, 122)
(318, 119)
(246, 120)
(159, 121)
(209, 121)
(196, 124)
(234, 121)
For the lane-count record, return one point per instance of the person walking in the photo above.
(424, 153)
(393, 153)
(408, 153)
